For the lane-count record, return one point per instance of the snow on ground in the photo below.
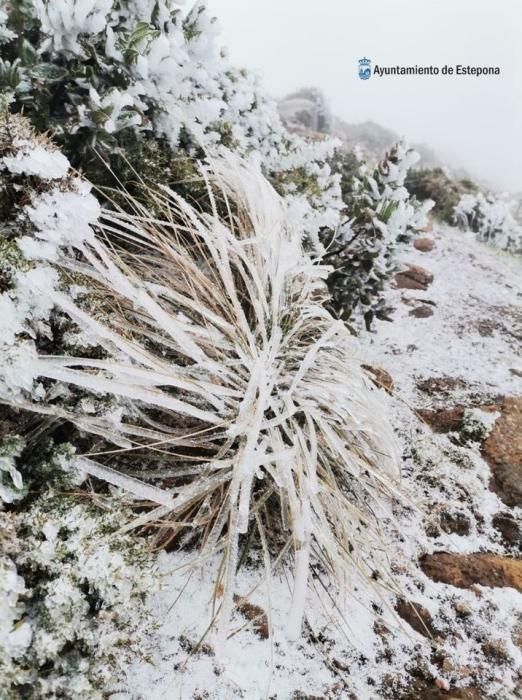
(477, 292)
(358, 647)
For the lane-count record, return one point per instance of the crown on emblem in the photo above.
(364, 62)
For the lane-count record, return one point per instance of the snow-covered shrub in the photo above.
(477, 425)
(239, 394)
(146, 80)
(70, 598)
(440, 186)
(491, 218)
(37, 192)
(380, 215)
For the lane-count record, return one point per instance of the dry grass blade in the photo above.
(232, 378)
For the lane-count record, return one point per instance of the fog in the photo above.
(474, 122)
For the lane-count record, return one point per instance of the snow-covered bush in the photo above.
(70, 594)
(65, 624)
(207, 337)
(36, 192)
(491, 218)
(380, 215)
(145, 85)
(439, 185)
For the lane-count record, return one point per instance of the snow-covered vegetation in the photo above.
(216, 342)
(380, 215)
(146, 86)
(71, 598)
(491, 218)
(182, 280)
(463, 202)
(442, 187)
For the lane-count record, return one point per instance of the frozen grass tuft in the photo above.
(239, 408)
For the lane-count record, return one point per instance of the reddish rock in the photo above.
(465, 570)
(443, 420)
(414, 277)
(459, 670)
(417, 616)
(503, 452)
(380, 377)
(424, 244)
(423, 311)
(489, 407)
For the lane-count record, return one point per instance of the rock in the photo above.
(495, 649)
(489, 407)
(254, 614)
(463, 609)
(506, 524)
(487, 326)
(456, 523)
(464, 570)
(464, 694)
(380, 377)
(408, 300)
(424, 244)
(449, 666)
(195, 647)
(443, 420)
(341, 665)
(421, 690)
(381, 628)
(423, 311)
(503, 452)
(417, 616)
(441, 386)
(442, 684)
(414, 277)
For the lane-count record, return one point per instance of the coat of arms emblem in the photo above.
(365, 68)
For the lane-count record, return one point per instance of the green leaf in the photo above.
(48, 72)
(142, 35)
(11, 74)
(27, 53)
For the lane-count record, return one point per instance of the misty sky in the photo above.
(474, 122)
